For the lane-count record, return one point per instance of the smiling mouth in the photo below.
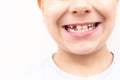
(81, 28)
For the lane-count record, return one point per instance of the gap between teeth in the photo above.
(81, 28)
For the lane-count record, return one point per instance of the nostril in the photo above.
(81, 12)
(87, 11)
(74, 11)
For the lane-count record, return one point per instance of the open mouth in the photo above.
(80, 28)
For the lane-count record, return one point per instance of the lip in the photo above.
(83, 34)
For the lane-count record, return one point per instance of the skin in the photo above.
(83, 55)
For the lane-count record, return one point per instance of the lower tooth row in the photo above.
(79, 30)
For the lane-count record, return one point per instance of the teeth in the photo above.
(80, 28)
(70, 26)
(71, 30)
(85, 27)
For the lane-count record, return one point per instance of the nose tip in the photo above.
(80, 8)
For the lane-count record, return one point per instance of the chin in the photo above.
(83, 51)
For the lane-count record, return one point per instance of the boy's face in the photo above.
(80, 26)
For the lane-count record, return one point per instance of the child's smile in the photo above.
(80, 26)
(81, 30)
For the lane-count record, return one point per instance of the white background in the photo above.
(24, 38)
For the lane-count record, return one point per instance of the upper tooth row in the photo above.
(82, 26)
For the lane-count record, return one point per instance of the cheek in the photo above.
(52, 14)
(106, 8)
(54, 11)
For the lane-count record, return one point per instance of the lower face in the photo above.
(80, 33)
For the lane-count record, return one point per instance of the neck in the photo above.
(84, 65)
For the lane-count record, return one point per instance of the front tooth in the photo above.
(79, 27)
(83, 30)
(84, 27)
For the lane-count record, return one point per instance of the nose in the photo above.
(80, 7)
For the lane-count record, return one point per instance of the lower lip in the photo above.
(84, 34)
